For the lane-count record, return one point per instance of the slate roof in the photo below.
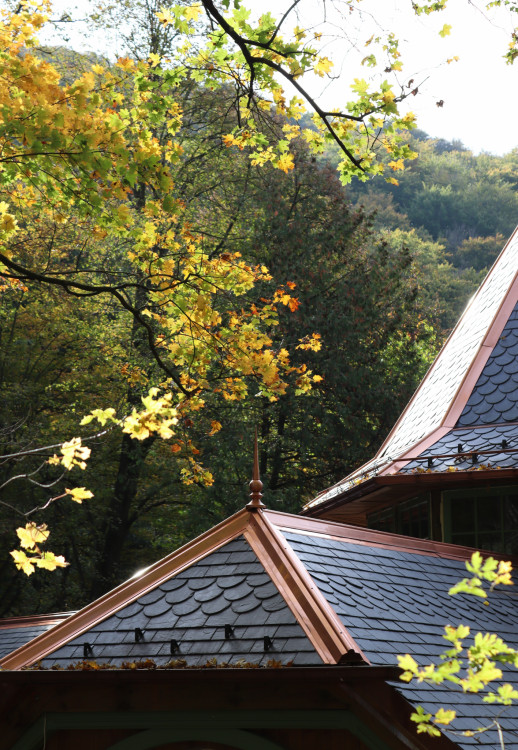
(227, 588)
(395, 602)
(472, 383)
(494, 398)
(16, 632)
(388, 592)
(465, 449)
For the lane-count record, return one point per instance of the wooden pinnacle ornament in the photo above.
(256, 485)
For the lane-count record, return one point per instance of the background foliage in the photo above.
(281, 250)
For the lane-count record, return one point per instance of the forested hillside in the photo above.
(455, 210)
(265, 294)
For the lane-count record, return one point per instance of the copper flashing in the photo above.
(315, 615)
(264, 532)
(31, 621)
(370, 537)
(114, 600)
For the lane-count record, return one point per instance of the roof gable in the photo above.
(223, 606)
(471, 382)
(240, 574)
(315, 588)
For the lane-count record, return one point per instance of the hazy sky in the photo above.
(479, 91)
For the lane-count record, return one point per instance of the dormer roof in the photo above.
(464, 415)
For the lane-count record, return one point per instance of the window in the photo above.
(410, 518)
(487, 519)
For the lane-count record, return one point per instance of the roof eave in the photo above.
(428, 479)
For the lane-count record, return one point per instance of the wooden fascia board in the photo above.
(370, 485)
(388, 713)
(114, 600)
(441, 479)
(313, 612)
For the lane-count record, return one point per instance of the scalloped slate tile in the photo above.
(236, 593)
(200, 583)
(193, 608)
(157, 608)
(248, 604)
(411, 616)
(151, 597)
(129, 611)
(215, 606)
(173, 584)
(226, 582)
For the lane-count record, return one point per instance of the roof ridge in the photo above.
(315, 615)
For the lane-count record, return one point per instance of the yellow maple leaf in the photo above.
(192, 12)
(215, 426)
(165, 16)
(126, 63)
(397, 164)
(49, 561)
(78, 494)
(285, 162)
(444, 717)
(32, 535)
(22, 562)
(322, 66)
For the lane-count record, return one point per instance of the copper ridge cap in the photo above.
(256, 485)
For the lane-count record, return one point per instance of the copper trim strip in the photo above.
(360, 535)
(302, 595)
(29, 621)
(114, 600)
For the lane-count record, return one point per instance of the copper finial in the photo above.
(256, 485)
